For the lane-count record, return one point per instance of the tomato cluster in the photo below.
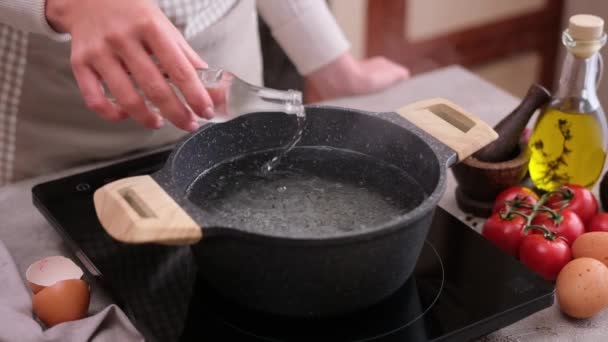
(540, 230)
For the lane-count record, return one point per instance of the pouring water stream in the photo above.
(239, 98)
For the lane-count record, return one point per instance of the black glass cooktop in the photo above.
(462, 288)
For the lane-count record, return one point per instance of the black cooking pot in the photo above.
(301, 274)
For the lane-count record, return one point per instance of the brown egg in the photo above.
(592, 245)
(66, 300)
(582, 287)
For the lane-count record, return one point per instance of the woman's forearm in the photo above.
(306, 30)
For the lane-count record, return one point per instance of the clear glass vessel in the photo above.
(234, 97)
(569, 140)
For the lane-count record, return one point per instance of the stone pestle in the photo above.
(512, 126)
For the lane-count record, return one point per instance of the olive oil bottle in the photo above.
(569, 141)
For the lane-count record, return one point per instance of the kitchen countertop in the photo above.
(29, 237)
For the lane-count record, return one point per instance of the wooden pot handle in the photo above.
(450, 124)
(138, 210)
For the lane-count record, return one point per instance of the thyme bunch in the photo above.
(553, 173)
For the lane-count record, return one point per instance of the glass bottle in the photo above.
(234, 97)
(568, 143)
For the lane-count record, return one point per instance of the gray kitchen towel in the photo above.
(17, 322)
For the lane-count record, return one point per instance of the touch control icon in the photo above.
(83, 187)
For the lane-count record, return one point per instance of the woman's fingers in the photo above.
(346, 76)
(192, 56)
(114, 38)
(93, 95)
(124, 92)
(198, 63)
(156, 88)
(218, 95)
(178, 66)
(381, 73)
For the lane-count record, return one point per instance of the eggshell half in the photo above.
(66, 300)
(50, 270)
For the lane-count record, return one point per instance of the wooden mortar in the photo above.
(480, 182)
(511, 127)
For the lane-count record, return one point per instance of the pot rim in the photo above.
(443, 154)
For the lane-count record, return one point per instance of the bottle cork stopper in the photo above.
(586, 27)
(586, 33)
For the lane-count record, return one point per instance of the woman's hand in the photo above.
(113, 37)
(347, 76)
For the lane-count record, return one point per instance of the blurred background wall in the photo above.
(509, 43)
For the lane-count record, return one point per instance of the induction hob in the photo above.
(463, 287)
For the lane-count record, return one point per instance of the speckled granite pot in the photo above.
(299, 276)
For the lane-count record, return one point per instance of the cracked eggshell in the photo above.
(50, 270)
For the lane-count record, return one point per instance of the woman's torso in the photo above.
(52, 129)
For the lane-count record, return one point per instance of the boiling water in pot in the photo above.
(314, 192)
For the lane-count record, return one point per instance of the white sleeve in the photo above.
(306, 30)
(29, 16)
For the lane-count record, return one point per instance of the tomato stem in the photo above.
(555, 216)
(517, 213)
(567, 196)
(536, 208)
(520, 203)
(547, 234)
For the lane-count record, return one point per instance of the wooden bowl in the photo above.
(480, 182)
